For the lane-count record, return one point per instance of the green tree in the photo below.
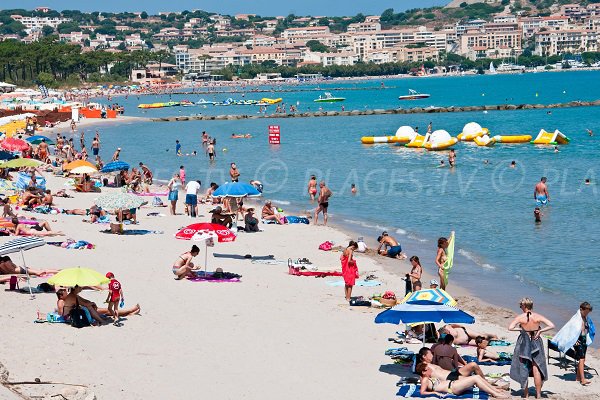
(315, 45)
(144, 15)
(47, 30)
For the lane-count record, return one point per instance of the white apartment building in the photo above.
(364, 27)
(261, 41)
(326, 59)
(575, 41)
(532, 25)
(291, 35)
(35, 23)
(476, 24)
(498, 44)
(505, 19)
(73, 37)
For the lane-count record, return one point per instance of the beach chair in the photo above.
(565, 360)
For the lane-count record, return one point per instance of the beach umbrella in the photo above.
(37, 139)
(119, 201)
(14, 144)
(206, 232)
(439, 296)
(423, 312)
(78, 163)
(21, 245)
(236, 189)
(84, 169)
(78, 276)
(115, 166)
(21, 162)
(6, 155)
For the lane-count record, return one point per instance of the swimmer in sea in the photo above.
(452, 158)
(353, 188)
(204, 138)
(486, 162)
(312, 187)
(590, 132)
(513, 164)
(442, 164)
(210, 151)
(556, 149)
(587, 181)
(537, 214)
(540, 193)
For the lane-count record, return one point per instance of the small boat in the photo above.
(328, 98)
(492, 70)
(414, 95)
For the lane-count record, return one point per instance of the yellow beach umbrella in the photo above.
(78, 163)
(84, 169)
(78, 276)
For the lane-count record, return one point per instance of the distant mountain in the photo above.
(540, 6)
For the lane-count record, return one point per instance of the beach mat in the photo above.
(73, 244)
(414, 392)
(269, 262)
(244, 257)
(319, 274)
(134, 232)
(361, 282)
(202, 276)
(498, 363)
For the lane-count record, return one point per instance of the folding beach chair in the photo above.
(565, 360)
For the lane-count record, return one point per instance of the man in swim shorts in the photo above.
(540, 193)
(323, 200)
(391, 247)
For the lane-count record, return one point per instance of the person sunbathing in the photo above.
(269, 214)
(64, 301)
(431, 385)
(8, 267)
(184, 266)
(94, 212)
(68, 301)
(7, 210)
(47, 199)
(483, 354)
(464, 336)
(34, 230)
(425, 355)
(219, 218)
(30, 198)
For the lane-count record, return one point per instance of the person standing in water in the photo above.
(177, 148)
(312, 187)
(182, 175)
(452, 158)
(349, 269)
(210, 151)
(540, 193)
(204, 138)
(528, 357)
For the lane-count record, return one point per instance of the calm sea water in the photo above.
(503, 254)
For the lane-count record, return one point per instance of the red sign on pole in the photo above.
(274, 134)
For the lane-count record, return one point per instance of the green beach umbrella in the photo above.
(119, 201)
(21, 162)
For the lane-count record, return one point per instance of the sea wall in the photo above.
(414, 110)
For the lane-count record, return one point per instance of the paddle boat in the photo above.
(404, 135)
(414, 95)
(471, 131)
(440, 140)
(552, 138)
(328, 98)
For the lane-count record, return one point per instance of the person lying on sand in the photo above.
(483, 354)
(184, 266)
(425, 355)
(464, 336)
(431, 385)
(8, 267)
(94, 212)
(34, 230)
(67, 301)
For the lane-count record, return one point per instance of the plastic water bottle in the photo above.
(122, 303)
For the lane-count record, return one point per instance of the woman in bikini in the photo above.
(34, 230)
(433, 386)
(440, 260)
(529, 358)
(312, 187)
(415, 272)
(184, 266)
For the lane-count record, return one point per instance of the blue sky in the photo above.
(261, 7)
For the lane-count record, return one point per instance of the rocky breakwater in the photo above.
(414, 110)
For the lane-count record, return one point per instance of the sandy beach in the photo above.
(270, 336)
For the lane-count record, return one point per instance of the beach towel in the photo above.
(319, 274)
(244, 257)
(135, 232)
(569, 334)
(72, 244)
(527, 351)
(291, 219)
(449, 257)
(356, 283)
(326, 246)
(500, 362)
(269, 262)
(414, 391)
(499, 342)
(202, 276)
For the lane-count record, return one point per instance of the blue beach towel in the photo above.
(296, 220)
(499, 342)
(414, 391)
(357, 283)
(500, 362)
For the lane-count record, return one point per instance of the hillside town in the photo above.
(199, 44)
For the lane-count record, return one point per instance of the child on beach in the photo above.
(483, 354)
(537, 213)
(115, 296)
(182, 175)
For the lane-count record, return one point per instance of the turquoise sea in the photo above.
(502, 254)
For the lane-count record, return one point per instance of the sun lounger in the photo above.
(565, 360)
(414, 392)
(496, 363)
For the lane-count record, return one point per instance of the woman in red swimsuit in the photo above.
(349, 268)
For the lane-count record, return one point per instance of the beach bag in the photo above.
(326, 246)
(78, 317)
(156, 201)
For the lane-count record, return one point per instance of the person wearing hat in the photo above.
(394, 250)
(115, 156)
(115, 296)
(251, 221)
(433, 284)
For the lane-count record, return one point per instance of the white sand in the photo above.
(272, 336)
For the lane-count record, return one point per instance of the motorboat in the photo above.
(414, 95)
(328, 98)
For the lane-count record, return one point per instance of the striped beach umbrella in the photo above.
(20, 245)
(424, 312)
(119, 201)
(439, 296)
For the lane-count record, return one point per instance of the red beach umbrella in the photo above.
(14, 144)
(222, 233)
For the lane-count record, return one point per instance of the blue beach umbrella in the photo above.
(7, 155)
(236, 189)
(38, 139)
(115, 166)
(423, 311)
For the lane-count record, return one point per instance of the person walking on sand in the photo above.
(529, 358)
(191, 197)
(577, 334)
(540, 193)
(115, 296)
(440, 260)
(312, 187)
(349, 268)
(323, 201)
(174, 186)
(116, 155)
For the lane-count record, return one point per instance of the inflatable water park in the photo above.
(471, 133)
(265, 101)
